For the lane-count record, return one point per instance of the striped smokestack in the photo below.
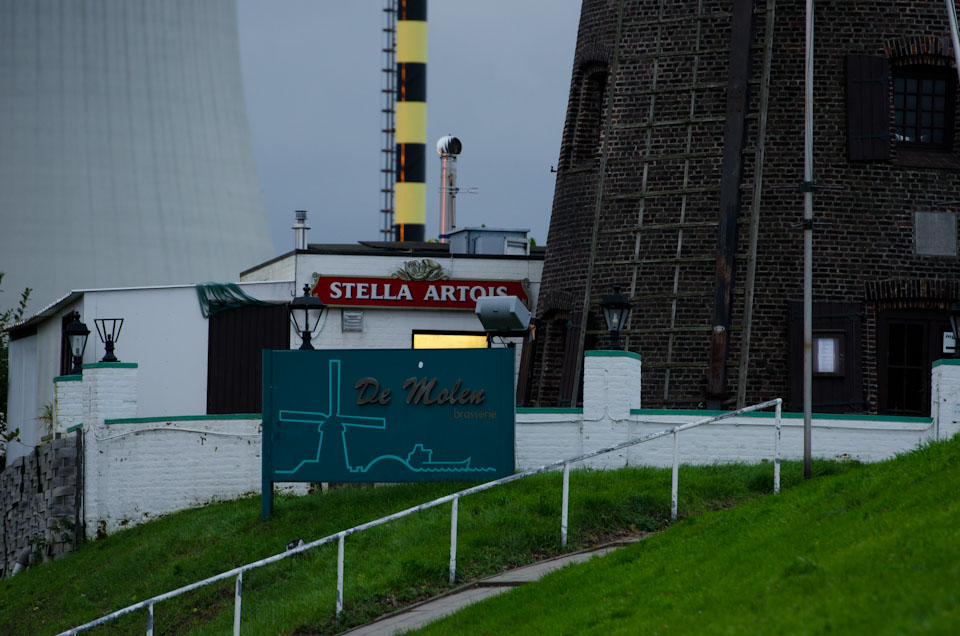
(410, 203)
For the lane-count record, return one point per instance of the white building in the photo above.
(378, 295)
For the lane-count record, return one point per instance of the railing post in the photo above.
(564, 505)
(453, 539)
(236, 604)
(340, 575)
(676, 475)
(776, 449)
(150, 619)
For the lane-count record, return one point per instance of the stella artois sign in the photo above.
(422, 283)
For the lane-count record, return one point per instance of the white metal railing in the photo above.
(454, 499)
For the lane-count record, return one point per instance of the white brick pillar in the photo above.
(109, 392)
(945, 397)
(67, 403)
(611, 387)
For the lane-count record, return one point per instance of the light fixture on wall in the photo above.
(955, 325)
(76, 334)
(109, 331)
(312, 308)
(616, 311)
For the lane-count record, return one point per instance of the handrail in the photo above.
(453, 497)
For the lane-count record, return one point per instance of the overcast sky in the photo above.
(497, 77)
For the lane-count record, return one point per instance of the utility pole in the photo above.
(807, 188)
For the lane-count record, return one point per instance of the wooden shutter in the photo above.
(842, 393)
(571, 350)
(237, 338)
(868, 108)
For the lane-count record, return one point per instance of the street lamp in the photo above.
(616, 311)
(108, 329)
(312, 308)
(76, 335)
(955, 325)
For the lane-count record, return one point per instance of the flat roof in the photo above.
(413, 249)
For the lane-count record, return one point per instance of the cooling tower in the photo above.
(125, 153)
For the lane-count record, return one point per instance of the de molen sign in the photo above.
(394, 415)
(421, 283)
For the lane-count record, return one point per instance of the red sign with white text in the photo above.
(394, 292)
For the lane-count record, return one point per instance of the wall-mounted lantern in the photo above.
(76, 334)
(616, 311)
(305, 312)
(108, 329)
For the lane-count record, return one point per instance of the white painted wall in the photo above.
(163, 331)
(22, 397)
(611, 415)
(136, 470)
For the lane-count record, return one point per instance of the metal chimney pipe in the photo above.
(448, 148)
(300, 230)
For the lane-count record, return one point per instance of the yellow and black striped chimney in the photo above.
(410, 202)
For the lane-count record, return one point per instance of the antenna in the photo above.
(388, 93)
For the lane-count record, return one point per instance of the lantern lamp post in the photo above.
(305, 312)
(616, 311)
(76, 334)
(108, 329)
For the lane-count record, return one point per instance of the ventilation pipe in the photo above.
(448, 148)
(410, 197)
(300, 229)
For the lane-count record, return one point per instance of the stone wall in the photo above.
(39, 504)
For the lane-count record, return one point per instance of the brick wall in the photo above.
(39, 504)
(865, 229)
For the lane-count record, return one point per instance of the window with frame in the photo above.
(923, 104)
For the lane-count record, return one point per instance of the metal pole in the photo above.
(236, 604)
(150, 619)
(954, 36)
(340, 575)
(564, 505)
(808, 248)
(453, 539)
(674, 487)
(776, 451)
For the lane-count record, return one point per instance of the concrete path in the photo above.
(422, 613)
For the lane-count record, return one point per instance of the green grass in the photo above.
(873, 550)
(386, 568)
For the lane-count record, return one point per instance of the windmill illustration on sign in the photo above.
(332, 451)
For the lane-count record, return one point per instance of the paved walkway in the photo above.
(422, 613)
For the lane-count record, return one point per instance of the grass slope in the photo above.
(386, 568)
(874, 550)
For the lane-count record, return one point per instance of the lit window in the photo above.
(435, 340)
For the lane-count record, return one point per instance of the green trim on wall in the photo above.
(68, 378)
(612, 353)
(789, 416)
(947, 362)
(549, 410)
(184, 418)
(75, 427)
(111, 365)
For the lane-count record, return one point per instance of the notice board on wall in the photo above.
(387, 415)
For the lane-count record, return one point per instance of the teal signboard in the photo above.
(387, 415)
